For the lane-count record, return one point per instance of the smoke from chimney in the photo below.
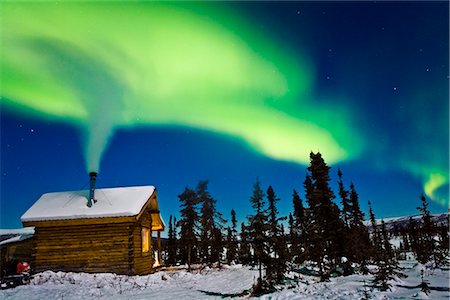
(92, 180)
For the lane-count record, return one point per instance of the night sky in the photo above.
(168, 94)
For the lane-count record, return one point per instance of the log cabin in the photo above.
(99, 230)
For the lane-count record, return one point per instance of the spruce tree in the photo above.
(244, 253)
(273, 227)
(358, 232)
(232, 239)
(298, 235)
(210, 221)
(443, 248)
(413, 234)
(229, 245)
(326, 236)
(386, 263)
(171, 244)
(293, 239)
(345, 201)
(376, 237)
(277, 258)
(188, 223)
(347, 232)
(425, 247)
(257, 229)
(299, 210)
(216, 246)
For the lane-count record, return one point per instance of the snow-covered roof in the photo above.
(16, 239)
(8, 236)
(25, 230)
(111, 202)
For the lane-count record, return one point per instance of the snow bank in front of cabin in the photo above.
(178, 284)
(212, 283)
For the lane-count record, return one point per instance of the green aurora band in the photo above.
(102, 66)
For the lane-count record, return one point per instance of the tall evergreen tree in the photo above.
(299, 210)
(232, 239)
(273, 226)
(326, 238)
(188, 223)
(386, 263)
(442, 248)
(413, 234)
(216, 246)
(276, 241)
(298, 232)
(356, 215)
(376, 237)
(425, 247)
(358, 234)
(257, 229)
(345, 201)
(171, 244)
(244, 246)
(210, 221)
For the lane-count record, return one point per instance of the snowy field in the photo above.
(228, 282)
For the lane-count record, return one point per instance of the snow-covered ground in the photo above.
(214, 284)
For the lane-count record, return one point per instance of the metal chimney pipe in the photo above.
(92, 180)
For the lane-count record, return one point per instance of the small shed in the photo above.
(15, 245)
(112, 232)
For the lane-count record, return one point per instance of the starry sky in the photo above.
(169, 93)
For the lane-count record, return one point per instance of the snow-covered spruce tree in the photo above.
(244, 253)
(293, 239)
(171, 244)
(358, 232)
(425, 248)
(347, 234)
(348, 243)
(228, 246)
(386, 264)
(257, 230)
(376, 237)
(276, 262)
(325, 237)
(217, 246)
(210, 221)
(298, 235)
(188, 224)
(232, 247)
(443, 248)
(345, 201)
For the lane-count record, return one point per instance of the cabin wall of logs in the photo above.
(112, 245)
(143, 261)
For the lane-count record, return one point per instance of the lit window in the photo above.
(145, 235)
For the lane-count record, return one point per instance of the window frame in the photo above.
(145, 234)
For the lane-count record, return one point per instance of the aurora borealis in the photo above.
(365, 84)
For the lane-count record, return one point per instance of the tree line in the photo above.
(331, 240)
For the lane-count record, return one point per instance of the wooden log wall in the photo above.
(83, 248)
(93, 245)
(143, 261)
